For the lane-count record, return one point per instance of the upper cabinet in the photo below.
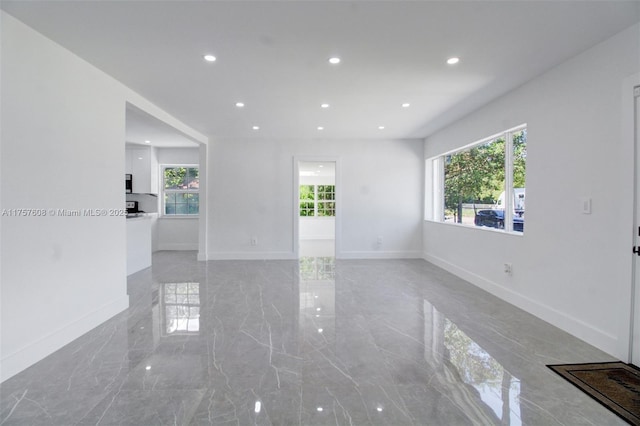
(142, 164)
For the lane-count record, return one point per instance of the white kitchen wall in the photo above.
(569, 268)
(179, 155)
(177, 233)
(63, 133)
(381, 194)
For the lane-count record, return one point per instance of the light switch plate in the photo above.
(586, 205)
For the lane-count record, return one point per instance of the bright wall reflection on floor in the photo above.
(464, 359)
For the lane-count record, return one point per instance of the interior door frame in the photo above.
(296, 200)
(630, 332)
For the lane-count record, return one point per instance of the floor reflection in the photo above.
(467, 362)
(317, 291)
(497, 388)
(180, 308)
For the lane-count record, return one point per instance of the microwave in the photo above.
(128, 184)
(132, 207)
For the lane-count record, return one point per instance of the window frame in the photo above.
(435, 180)
(316, 201)
(165, 191)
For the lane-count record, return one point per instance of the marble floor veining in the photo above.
(309, 342)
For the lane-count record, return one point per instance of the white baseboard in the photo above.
(178, 246)
(592, 335)
(317, 237)
(247, 255)
(402, 254)
(291, 256)
(35, 351)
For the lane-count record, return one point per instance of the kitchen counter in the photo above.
(138, 216)
(138, 243)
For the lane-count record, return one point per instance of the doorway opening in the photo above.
(165, 167)
(316, 209)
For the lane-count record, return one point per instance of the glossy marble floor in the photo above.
(314, 342)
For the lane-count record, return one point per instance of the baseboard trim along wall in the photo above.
(178, 246)
(28, 355)
(317, 237)
(271, 255)
(598, 338)
(257, 255)
(404, 254)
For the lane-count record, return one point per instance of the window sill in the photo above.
(317, 217)
(479, 228)
(178, 216)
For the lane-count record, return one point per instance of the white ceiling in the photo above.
(272, 55)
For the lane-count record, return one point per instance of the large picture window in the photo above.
(317, 200)
(483, 184)
(180, 191)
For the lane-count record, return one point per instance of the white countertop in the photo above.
(139, 216)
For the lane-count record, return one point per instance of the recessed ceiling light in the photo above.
(321, 166)
(453, 61)
(147, 141)
(209, 58)
(380, 127)
(406, 105)
(335, 60)
(240, 104)
(256, 127)
(320, 409)
(320, 128)
(324, 106)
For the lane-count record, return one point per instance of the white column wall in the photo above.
(63, 147)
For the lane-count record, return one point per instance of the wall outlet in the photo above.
(508, 269)
(254, 241)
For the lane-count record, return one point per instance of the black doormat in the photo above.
(615, 385)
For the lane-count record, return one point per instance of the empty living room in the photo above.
(319, 212)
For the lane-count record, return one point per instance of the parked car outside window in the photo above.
(495, 219)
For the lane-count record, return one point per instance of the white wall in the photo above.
(317, 228)
(380, 195)
(178, 155)
(571, 269)
(63, 133)
(177, 233)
